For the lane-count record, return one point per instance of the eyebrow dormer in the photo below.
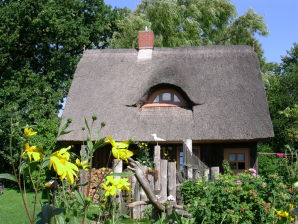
(167, 96)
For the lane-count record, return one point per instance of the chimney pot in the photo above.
(146, 39)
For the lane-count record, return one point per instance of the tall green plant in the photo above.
(55, 173)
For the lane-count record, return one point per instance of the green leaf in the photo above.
(80, 185)
(90, 145)
(100, 144)
(87, 126)
(124, 174)
(79, 197)
(65, 132)
(61, 220)
(8, 176)
(23, 166)
(45, 162)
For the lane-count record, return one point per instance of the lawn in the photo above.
(11, 207)
(13, 212)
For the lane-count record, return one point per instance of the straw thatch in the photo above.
(222, 83)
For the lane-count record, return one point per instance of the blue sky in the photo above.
(281, 17)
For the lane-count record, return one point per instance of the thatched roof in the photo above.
(223, 83)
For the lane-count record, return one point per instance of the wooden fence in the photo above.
(165, 179)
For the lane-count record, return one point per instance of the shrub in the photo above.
(242, 198)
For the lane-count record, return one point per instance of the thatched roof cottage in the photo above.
(212, 95)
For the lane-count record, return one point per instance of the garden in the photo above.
(46, 187)
(43, 180)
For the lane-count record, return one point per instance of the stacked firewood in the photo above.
(96, 180)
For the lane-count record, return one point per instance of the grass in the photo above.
(12, 210)
(11, 207)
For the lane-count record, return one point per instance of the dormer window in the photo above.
(165, 98)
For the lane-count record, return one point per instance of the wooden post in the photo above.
(136, 197)
(206, 174)
(117, 166)
(163, 179)
(143, 196)
(172, 179)
(187, 149)
(157, 168)
(214, 172)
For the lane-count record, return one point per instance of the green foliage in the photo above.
(281, 82)
(41, 43)
(285, 167)
(143, 155)
(226, 167)
(190, 23)
(242, 198)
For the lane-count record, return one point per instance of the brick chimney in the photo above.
(146, 39)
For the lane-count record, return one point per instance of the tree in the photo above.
(281, 82)
(191, 23)
(40, 45)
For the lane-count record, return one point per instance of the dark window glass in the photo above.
(241, 165)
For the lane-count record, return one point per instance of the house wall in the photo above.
(212, 154)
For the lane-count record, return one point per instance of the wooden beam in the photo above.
(163, 179)
(136, 168)
(172, 179)
(187, 149)
(136, 197)
(214, 172)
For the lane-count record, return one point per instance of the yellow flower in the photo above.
(119, 149)
(122, 184)
(113, 184)
(28, 132)
(59, 162)
(110, 190)
(199, 182)
(282, 214)
(83, 164)
(33, 152)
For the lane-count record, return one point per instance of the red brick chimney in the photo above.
(146, 39)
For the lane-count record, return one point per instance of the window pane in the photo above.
(240, 157)
(166, 96)
(232, 157)
(176, 99)
(241, 166)
(181, 159)
(156, 100)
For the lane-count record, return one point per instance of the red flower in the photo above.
(280, 155)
